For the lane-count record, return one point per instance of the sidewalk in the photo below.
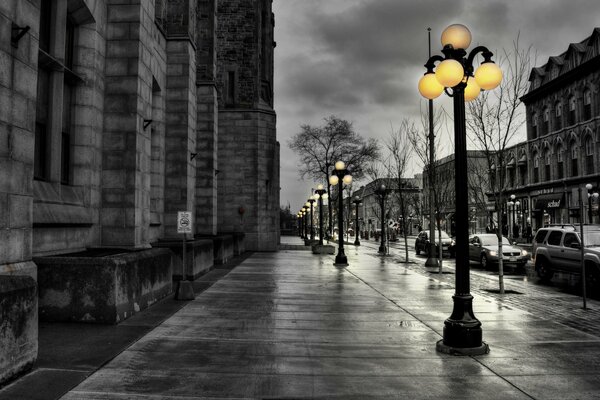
(292, 325)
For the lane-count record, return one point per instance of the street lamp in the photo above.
(311, 201)
(516, 220)
(340, 176)
(462, 331)
(381, 191)
(511, 215)
(321, 193)
(590, 196)
(357, 202)
(304, 213)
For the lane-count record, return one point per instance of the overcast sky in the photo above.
(361, 59)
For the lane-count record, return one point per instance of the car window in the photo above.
(569, 239)
(554, 238)
(592, 239)
(540, 235)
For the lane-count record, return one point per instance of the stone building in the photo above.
(445, 204)
(562, 153)
(114, 116)
(369, 212)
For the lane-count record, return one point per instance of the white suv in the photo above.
(558, 248)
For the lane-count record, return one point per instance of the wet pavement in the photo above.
(293, 325)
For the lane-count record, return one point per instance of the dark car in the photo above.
(422, 243)
(484, 248)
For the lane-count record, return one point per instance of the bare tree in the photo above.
(320, 147)
(494, 122)
(419, 138)
(400, 154)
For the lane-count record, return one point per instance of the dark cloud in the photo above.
(361, 59)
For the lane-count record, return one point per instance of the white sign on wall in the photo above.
(184, 222)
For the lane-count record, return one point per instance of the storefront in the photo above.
(547, 209)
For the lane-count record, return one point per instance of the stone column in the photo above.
(207, 128)
(180, 139)
(126, 143)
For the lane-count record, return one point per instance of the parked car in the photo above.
(558, 249)
(484, 248)
(422, 243)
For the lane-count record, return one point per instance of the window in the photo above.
(572, 106)
(534, 126)
(570, 239)
(536, 169)
(558, 115)
(53, 142)
(589, 155)
(546, 125)
(554, 238)
(547, 163)
(540, 235)
(587, 104)
(560, 168)
(574, 170)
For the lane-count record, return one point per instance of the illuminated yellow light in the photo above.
(333, 180)
(429, 87)
(347, 179)
(488, 76)
(449, 73)
(471, 90)
(456, 35)
(340, 165)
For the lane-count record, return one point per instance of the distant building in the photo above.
(370, 210)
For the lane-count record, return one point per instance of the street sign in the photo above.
(184, 222)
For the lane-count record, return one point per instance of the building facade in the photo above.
(562, 153)
(115, 115)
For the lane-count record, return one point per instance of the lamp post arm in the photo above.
(487, 57)
(430, 65)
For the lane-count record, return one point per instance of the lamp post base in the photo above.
(462, 351)
(341, 260)
(462, 331)
(382, 250)
(357, 242)
(431, 262)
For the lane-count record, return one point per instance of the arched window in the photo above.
(560, 167)
(547, 163)
(536, 168)
(587, 104)
(557, 115)
(534, 120)
(546, 125)
(589, 155)
(574, 154)
(572, 107)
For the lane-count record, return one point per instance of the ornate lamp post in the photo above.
(516, 220)
(381, 191)
(357, 202)
(321, 192)
(511, 216)
(311, 201)
(462, 331)
(340, 176)
(590, 196)
(304, 214)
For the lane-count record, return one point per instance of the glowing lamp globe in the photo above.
(347, 179)
(340, 165)
(307, 205)
(429, 87)
(456, 35)
(319, 187)
(333, 180)
(488, 76)
(449, 73)
(472, 89)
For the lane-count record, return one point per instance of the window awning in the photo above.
(548, 201)
(522, 160)
(511, 163)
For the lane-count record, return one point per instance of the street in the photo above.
(523, 288)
